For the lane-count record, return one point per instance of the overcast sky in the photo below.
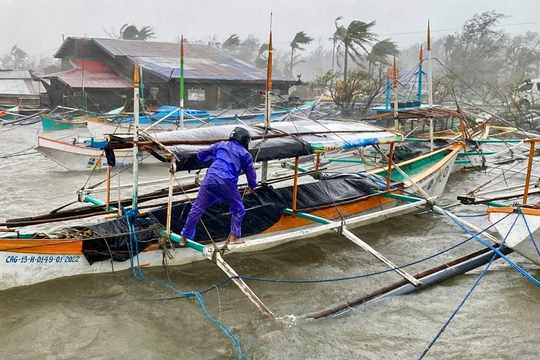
(37, 26)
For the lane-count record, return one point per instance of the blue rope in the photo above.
(140, 276)
(466, 296)
(424, 353)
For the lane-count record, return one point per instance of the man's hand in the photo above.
(249, 191)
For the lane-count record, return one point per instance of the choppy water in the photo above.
(114, 316)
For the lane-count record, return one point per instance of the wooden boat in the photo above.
(50, 123)
(274, 216)
(520, 224)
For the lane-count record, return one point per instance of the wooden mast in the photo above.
(182, 126)
(420, 74)
(396, 105)
(136, 99)
(268, 102)
(430, 87)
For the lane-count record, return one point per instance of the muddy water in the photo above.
(115, 316)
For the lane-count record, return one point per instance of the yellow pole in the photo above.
(389, 172)
(529, 170)
(295, 183)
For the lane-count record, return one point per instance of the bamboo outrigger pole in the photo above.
(211, 254)
(355, 239)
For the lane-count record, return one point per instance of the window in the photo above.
(196, 95)
(526, 87)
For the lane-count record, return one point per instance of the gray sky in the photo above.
(37, 26)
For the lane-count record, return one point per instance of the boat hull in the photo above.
(27, 261)
(82, 158)
(51, 124)
(517, 228)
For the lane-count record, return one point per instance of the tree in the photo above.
(301, 38)
(522, 56)
(18, 57)
(232, 43)
(351, 40)
(131, 32)
(262, 59)
(381, 51)
(475, 54)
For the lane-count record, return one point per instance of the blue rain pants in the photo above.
(220, 184)
(212, 191)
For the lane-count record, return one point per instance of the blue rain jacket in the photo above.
(228, 159)
(220, 184)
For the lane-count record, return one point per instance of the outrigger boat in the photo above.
(273, 215)
(315, 203)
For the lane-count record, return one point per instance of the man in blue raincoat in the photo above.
(221, 183)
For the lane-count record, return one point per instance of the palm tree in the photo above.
(18, 55)
(381, 51)
(232, 43)
(262, 60)
(130, 32)
(301, 38)
(357, 35)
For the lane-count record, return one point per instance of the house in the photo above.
(97, 74)
(21, 88)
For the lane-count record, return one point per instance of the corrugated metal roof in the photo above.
(200, 61)
(163, 58)
(26, 87)
(15, 74)
(91, 74)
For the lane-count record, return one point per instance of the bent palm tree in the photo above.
(130, 32)
(381, 51)
(357, 35)
(301, 38)
(351, 40)
(232, 43)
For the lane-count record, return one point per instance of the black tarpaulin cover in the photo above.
(264, 208)
(102, 248)
(412, 149)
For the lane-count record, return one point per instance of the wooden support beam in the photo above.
(242, 286)
(389, 172)
(355, 239)
(108, 201)
(169, 199)
(529, 170)
(208, 253)
(349, 235)
(295, 183)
